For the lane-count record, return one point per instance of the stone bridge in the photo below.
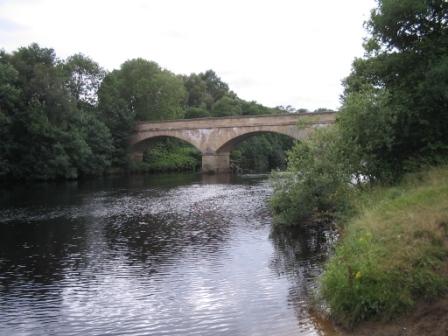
(216, 137)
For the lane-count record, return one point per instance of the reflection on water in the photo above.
(299, 256)
(153, 255)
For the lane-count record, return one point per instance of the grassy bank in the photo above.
(393, 252)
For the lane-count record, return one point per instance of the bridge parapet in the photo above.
(236, 121)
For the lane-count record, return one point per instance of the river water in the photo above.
(154, 255)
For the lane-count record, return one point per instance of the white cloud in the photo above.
(282, 52)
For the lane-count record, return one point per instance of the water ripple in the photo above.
(193, 259)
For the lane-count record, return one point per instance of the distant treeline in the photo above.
(63, 119)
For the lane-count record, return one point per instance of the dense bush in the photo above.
(317, 182)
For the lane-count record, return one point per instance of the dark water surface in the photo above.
(153, 255)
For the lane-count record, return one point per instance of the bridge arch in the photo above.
(230, 144)
(138, 146)
(141, 145)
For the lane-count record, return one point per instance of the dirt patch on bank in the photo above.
(429, 319)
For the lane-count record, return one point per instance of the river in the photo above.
(154, 255)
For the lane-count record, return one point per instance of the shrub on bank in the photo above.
(316, 185)
(393, 253)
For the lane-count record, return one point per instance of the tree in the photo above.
(41, 115)
(84, 78)
(205, 89)
(119, 119)
(316, 186)
(406, 57)
(148, 91)
(9, 95)
(252, 108)
(366, 125)
(408, 25)
(48, 128)
(215, 86)
(197, 92)
(197, 112)
(227, 106)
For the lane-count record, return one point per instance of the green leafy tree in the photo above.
(198, 95)
(227, 106)
(205, 89)
(252, 108)
(149, 92)
(9, 96)
(406, 56)
(118, 118)
(316, 186)
(197, 112)
(42, 115)
(367, 124)
(48, 125)
(84, 78)
(215, 86)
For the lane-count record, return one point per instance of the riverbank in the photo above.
(391, 263)
(429, 319)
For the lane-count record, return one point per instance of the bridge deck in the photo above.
(235, 121)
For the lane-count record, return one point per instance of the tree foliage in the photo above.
(47, 129)
(227, 106)
(315, 185)
(84, 78)
(148, 92)
(406, 59)
(394, 115)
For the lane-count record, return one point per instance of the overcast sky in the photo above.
(277, 52)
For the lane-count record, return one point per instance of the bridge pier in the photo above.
(216, 163)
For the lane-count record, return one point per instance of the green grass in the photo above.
(393, 252)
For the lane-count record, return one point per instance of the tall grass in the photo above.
(393, 252)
